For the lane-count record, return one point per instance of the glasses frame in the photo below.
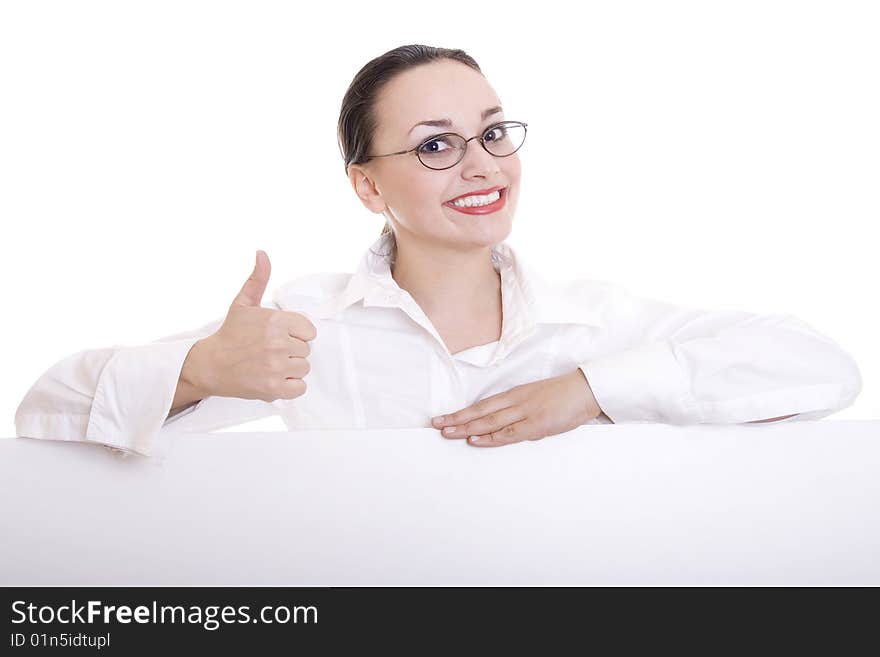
(464, 150)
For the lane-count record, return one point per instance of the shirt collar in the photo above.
(526, 296)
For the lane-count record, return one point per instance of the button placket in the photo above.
(447, 388)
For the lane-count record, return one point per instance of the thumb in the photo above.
(252, 291)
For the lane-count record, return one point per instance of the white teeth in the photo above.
(471, 201)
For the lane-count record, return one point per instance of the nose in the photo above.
(478, 160)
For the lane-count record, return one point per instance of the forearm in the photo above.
(591, 406)
(596, 411)
(189, 391)
(184, 397)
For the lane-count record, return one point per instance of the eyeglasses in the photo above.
(447, 149)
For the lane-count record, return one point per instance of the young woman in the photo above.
(442, 325)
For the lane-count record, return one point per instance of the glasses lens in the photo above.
(444, 151)
(441, 152)
(504, 138)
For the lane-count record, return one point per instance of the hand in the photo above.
(257, 353)
(527, 412)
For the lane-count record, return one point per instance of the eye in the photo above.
(436, 145)
(495, 133)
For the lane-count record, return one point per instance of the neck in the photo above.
(449, 282)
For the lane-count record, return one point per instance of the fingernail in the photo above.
(475, 439)
(437, 421)
(449, 430)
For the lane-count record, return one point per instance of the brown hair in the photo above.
(357, 120)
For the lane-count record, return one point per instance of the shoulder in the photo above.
(593, 302)
(316, 288)
(592, 288)
(617, 300)
(582, 290)
(594, 293)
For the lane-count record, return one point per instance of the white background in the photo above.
(721, 155)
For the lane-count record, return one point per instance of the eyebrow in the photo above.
(445, 123)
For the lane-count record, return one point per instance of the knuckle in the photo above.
(295, 388)
(292, 347)
(308, 330)
(302, 326)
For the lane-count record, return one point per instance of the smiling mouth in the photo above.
(482, 209)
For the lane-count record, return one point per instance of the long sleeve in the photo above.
(121, 396)
(677, 365)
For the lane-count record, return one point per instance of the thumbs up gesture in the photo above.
(257, 353)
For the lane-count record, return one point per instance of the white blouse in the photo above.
(378, 362)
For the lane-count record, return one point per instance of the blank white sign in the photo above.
(793, 503)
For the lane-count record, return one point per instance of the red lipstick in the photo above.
(481, 192)
(481, 209)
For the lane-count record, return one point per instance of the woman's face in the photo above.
(414, 197)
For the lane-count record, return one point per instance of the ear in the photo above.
(362, 182)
